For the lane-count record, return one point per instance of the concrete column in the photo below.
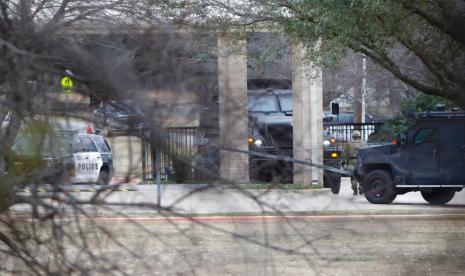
(316, 124)
(307, 117)
(232, 85)
(127, 157)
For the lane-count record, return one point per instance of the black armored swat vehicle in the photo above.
(429, 158)
(270, 131)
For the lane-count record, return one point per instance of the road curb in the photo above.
(313, 192)
(232, 187)
(252, 218)
(78, 189)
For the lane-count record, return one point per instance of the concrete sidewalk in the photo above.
(213, 199)
(208, 199)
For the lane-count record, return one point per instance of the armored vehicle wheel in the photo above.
(379, 187)
(335, 188)
(287, 174)
(255, 173)
(267, 173)
(438, 196)
(334, 185)
(272, 176)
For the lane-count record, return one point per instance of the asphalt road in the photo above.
(318, 245)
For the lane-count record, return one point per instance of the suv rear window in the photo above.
(101, 144)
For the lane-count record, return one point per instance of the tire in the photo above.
(103, 177)
(272, 175)
(336, 187)
(378, 187)
(264, 172)
(287, 174)
(254, 174)
(438, 197)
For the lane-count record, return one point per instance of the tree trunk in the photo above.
(8, 136)
(7, 197)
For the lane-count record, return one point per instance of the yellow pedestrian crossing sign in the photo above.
(66, 84)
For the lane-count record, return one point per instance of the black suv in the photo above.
(270, 130)
(429, 157)
(118, 118)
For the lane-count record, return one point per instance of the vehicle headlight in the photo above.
(334, 155)
(258, 143)
(326, 143)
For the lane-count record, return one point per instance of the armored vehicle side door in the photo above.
(423, 153)
(452, 154)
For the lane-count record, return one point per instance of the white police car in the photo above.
(61, 157)
(93, 161)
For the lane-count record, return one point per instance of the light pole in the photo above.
(364, 82)
(158, 168)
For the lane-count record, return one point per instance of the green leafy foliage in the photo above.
(422, 43)
(419, 42)
(425, 103)
(400, 124)
(391, 128)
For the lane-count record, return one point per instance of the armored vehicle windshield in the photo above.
(266, 103)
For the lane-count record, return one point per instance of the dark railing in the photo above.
(343, 131)
(183, 142)
(179, 142)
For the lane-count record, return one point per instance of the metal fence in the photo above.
(180, 143)
(183, 143)
(343, 131)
